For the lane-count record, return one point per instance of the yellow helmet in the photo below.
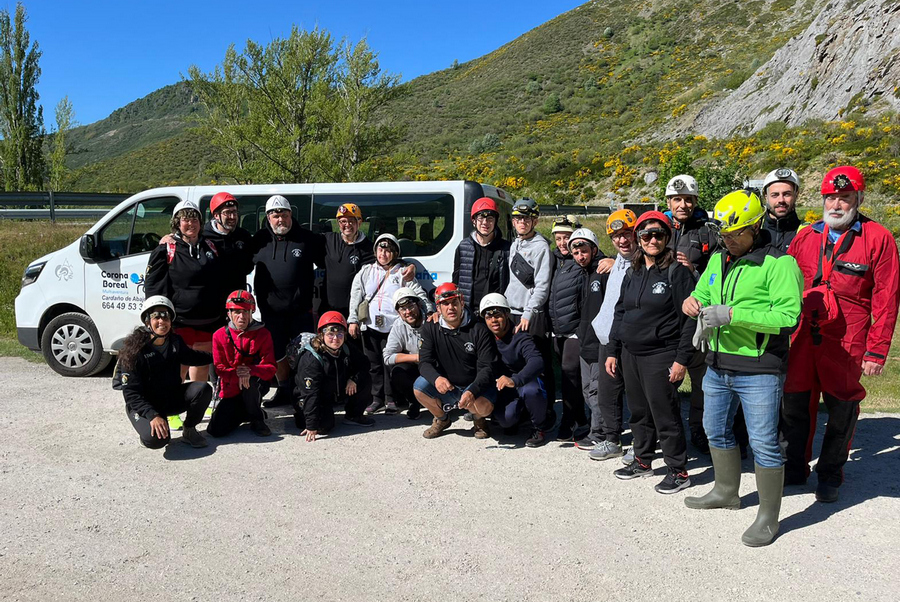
(738, 209)
(623, 218)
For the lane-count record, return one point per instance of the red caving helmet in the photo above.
(445, 292)
(241, 299)
(220, 199)
(842, 179)
(653, 216)
(331, 317)
(484, 204)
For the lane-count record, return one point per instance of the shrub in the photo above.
(553, 104)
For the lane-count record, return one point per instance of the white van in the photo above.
(78, 304)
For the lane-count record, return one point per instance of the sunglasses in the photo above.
(335, 331)
(160, 315)
(655, 233)
(733, 235)
(494, 312)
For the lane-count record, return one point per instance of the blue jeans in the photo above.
(760, 397)
(450, 400)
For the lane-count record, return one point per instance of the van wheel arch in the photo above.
(71, 344)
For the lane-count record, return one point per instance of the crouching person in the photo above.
(149, 376)
(245, 362)
(330, 372)
(520, 386)
(456, 363)
(401, 352)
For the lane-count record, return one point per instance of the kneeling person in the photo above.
(456, 361)
(520, 385)
(330, 372)
(401, 352)
(245, 362)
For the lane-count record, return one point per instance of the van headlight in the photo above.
(32, 272)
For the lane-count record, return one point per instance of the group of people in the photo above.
(763, 312)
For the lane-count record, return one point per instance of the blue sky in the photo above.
(105, 54)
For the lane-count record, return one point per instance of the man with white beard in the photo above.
(851, 293)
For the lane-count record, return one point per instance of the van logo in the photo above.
(64, 271)
(297, 252)
(595, 286)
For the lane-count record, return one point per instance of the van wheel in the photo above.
(71, 345)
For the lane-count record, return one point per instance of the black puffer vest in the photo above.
(566, 291)
(499, 250)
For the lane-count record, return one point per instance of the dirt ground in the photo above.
(86, 513)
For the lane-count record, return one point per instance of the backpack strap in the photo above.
(212, 247)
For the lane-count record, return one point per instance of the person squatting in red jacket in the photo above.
(245, 362)
(851, 293)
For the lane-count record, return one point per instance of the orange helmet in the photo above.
(241, 299)
(349, 210)
(617, 220)
(331, 317)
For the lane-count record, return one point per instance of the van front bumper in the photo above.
(29, 338)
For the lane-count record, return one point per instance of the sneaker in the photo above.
(606, 450)
(175, 423)
(468, 416)
(826, 493)
(537, 439)
(282, 397)
(586, 443)
(480, 427)
(437, 427)
(564, 433)
(260, 428)
(359, 420)
(192, 437)
(628, 456)
(413, 413)
(374, 407)
(674, 482)
(390, 408)
(633, 471)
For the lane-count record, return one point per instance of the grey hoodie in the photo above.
(403, 338)
(526, 301)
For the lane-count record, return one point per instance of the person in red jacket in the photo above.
(851, 293)
(245, 362)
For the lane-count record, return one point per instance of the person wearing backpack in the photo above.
(245, 362)
(650, 342)
(148, 372)
(331, 372)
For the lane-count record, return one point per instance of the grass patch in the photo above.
(10, 347)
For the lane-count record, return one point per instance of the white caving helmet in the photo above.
(277, 202)
(186, 205)
(390, 238)
(782, 174)
(583, 234)
(682, 185)
(492, 300)
(155, 301)
(404, 292)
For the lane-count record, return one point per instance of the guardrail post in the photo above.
(52, 209)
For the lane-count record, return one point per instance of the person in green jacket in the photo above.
(747, 301)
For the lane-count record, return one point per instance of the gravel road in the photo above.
(86, 513)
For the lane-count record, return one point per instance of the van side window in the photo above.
(252, 209)
(422, 222)
(139, 229)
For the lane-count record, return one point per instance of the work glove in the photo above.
(716, 315)
(701, 335)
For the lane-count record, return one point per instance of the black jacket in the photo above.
(648, 318)
(191, 281)
(521, 359)
(593, 293)
(479, 270)
(284, 268)
(321, 379)
(782, 229)
(342, 262)
(235, 253)
(694, 239)
(466, 356)
(153, 386)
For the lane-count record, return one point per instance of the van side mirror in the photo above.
(88, 248)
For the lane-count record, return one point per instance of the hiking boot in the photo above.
(192, 437)
(438, 426)
(390, 408)
(674, 481)
(628, 456)
(537, 439)
(359, 421)
(468, 416)
(606, 450)
(633, 471)
(480, 428)
(282, 397)
(826, 493)
(175, 423)
(260, 428)
(587, 443)
(374, 407)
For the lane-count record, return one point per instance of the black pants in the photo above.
(572, 394)
(354, 406)
(402, 378)
(373, 346)
(655, 408)
(537, 328)
(193, 398)
(232, 412)
(611, 397)
(798, 428)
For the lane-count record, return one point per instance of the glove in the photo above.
(701, 335)
(716, 315)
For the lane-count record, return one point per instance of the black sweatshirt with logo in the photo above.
(466, 356)
(284, 268)
(342, 262)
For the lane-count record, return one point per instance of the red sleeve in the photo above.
(220, 357)
(267, 365)
(885, 298)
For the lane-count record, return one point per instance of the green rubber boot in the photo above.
(724, 494)
(770, 484)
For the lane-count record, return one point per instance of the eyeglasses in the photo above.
(406, 306)
(346, 221)
(622, 234)
(485, 216)
(521, 218)
(494, 312)
(655, 233)
(229, 212)
(334, 331)
(160, 315)
(733, 235)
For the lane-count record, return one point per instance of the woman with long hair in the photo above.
(650, 342)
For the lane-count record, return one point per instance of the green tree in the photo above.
(552, 104)
(65, 121)
(21, 119)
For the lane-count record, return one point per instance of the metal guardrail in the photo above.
(47, 205)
